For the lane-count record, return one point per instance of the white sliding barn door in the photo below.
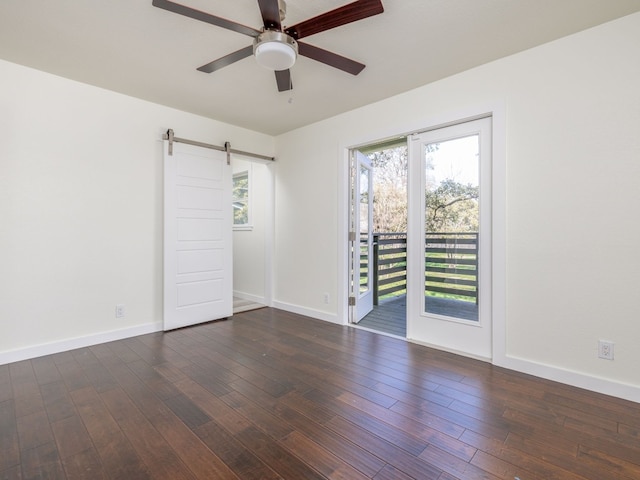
(198, 269)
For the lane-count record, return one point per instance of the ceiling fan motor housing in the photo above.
(275, 50)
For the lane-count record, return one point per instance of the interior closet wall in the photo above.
(249, 245)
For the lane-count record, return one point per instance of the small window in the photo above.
(241, 212)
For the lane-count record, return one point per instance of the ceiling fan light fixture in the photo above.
(275, 50)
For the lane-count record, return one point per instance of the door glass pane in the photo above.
(364, 229)
(452, 187)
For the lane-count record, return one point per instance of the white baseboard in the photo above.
(548, 372)
(308, 312)
(569, 377)
(78, 342)
(449, 350)
(250, 297)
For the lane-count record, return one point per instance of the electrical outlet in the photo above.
(326, 298)
(605, 350)
(119, 310)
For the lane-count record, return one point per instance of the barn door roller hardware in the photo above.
(226, 148)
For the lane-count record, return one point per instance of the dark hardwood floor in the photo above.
(270, 394)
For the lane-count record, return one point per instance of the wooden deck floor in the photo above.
(390, 316)
(274, 395)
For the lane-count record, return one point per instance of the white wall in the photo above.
(572, 117)
(250, 244)
(81, 209)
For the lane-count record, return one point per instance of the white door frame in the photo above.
(495, 109)
(269, 225)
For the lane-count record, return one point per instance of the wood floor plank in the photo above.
(213, 406)
(26, 391)
(45, 370)
(150, 446)
(271, 394)
(9, 444)
(388, 472)
(259, 417)
(85, 465)
(526, 462)
(34, 430)
(390, 453)
(13, 473)
(187, 411)
(322, 460)
(275, 456)
(454, 465)
(71, 436)
(418, 430)
(595, 459)
(42, 461)
(204, 463)
(156, 382)
(6, 390)
(116, 453)
(57, 401)
(351, 453)
(232, 452)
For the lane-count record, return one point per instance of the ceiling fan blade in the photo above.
(283, 79)
(270, 11)
(227, 60)
(329, 58)
(205, 17)
(352, 12)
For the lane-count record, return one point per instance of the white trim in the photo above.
(569, 377)
(499, 233)
(78, 342)
(378, 332)
(249, 297)
(307, 312)
(496, 110)
(269, 233)
(450, 350)
(342, 295)
(269, 229)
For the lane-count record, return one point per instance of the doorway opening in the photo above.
(379, 174)
(420, 236)
(252, 207)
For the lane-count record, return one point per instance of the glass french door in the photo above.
(361, 225)
(449, 294)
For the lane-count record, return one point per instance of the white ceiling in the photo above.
(131, 47)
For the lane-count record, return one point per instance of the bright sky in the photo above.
(455, 159)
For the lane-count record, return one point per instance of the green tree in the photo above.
(452, 207)
(390, 189)
(240, 196)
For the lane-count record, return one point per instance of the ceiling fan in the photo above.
(277, 47)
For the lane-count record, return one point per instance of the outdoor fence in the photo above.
(451, 265)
